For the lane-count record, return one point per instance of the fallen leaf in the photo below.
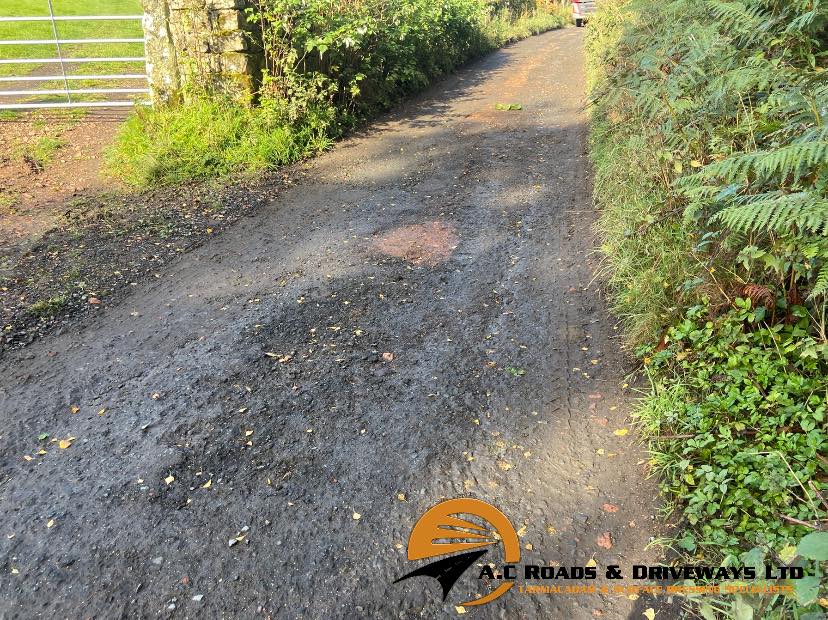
(94, 301)
(26, 457)
(50, 523)
(356, 516)
(388, 356)
(592, 563)
(401, 497)
(64, 443)
(649, 613)
(14, 571)
(169, 479)
(621, 432)
(529, 546)
(459, 609)
(604, 540)
(609, 508)
(43, 436)
(521, 532)
(74, 408)
(504, 465)
(207, 484)
(248, 433)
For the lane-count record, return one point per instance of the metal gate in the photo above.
(23, 85)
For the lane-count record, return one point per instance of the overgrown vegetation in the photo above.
(710, 147)
(329, 65)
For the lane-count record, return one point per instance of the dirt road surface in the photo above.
(255, 432)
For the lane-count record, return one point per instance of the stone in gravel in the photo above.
(197, 598)
(157, 561)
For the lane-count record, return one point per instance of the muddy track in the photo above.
(412, 320)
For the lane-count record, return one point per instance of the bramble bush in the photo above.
(329, 65)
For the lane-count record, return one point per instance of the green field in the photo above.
(70, 30)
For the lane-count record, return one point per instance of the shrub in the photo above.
(329, 65)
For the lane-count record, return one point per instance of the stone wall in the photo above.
(207, 43)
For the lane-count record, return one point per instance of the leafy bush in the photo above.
(745, 432)
(328, 66)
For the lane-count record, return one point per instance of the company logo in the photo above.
(444, 531)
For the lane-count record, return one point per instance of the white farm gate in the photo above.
(61, 78)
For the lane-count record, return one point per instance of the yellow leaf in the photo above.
(26, 457)
(401, 497)
(504, 465)
(521, 532)
(248, 433)
(621, 432)
(15, 571)
(356, 516)
(529, 546)
(102, 411)
(169, 479)
(74, 408)
(459, 609)
(592, 563)
(207, 484)
(64, 443)
(600, 451)
(649, 613)
(696, 163)
(51, 523)
(42, 452)
(787, 554)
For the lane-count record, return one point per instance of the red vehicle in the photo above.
(581, 10)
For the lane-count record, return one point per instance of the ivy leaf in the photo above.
(814, 546)
(806, 589)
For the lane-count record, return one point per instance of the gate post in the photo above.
(196, 45)
(162, 62)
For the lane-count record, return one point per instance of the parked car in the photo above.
(581, 9)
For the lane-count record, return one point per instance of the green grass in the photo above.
(209, 137)
(42, 152)
(71, 30)
(48, 307)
